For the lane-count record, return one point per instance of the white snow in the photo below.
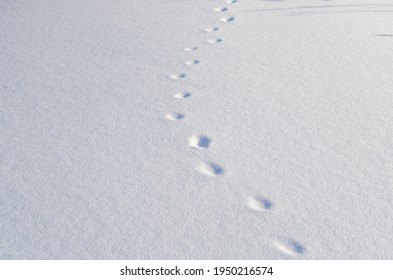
(200, 129)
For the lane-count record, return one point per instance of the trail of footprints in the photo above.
(199, 142)
(258, 204)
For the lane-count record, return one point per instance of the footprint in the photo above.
(289, 247)
(212, 29)
(199, 142)
(210, 169)
(227, 19)
(192, 62)
(188, 49)
(259, 203)
(221, 9)
(174, 116)
(182, 95)
(213, 41)
(177, 76)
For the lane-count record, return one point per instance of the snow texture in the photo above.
(203, 129)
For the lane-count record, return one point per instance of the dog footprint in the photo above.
(192, 62)
(227, 19)
(177, 76)
(174, 116)
(289, 247)
(259, 203)
(221, 9)
(214, 41)
(182, 95)
(212, 29)
(188, 49)
(210, 169)
(199, 142)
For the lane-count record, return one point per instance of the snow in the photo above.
(175, 129)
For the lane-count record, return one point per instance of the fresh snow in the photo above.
(196, 129)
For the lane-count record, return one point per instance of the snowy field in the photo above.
(196, 129)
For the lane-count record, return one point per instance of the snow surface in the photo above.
(196, 129)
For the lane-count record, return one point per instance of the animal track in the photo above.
(188, 49)
(210, 169)
(213, 41)
(182, 95)
(227, 19)
(289, 247)
(178, 76)
(174, 116)
(192, 62)
(199, 142)
(259, 203)
(221, 9)
(212, 29)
